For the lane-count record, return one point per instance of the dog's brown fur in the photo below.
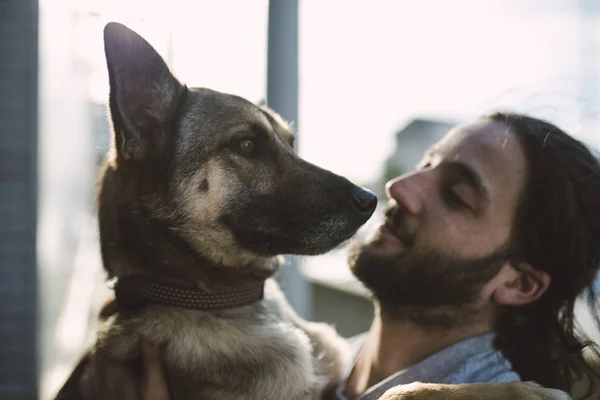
(180, 201)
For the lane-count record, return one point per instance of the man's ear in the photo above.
(516, 286)
(144, 94)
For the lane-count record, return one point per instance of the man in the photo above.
(477, 264)
(475, 270)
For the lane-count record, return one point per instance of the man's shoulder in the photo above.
(491, 369)
(475, 360)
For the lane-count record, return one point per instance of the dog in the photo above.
(198, 196)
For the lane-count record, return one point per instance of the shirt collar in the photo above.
(431, 369)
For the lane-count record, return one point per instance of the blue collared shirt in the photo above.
(473, 360)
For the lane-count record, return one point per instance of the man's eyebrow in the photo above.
(464, 170)
(471, 176)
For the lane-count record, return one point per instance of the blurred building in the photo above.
(410, 142)
(100, 129)
(18, 199)
(413, 139)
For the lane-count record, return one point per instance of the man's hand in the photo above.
(474, 391)
(155, 382)
(113, 380)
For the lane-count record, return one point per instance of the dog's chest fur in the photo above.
(260, 351)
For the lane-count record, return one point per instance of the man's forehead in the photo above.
(488, 147)
(481, 133)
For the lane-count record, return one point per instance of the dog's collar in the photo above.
(136, 292)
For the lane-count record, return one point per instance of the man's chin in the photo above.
(368, 254)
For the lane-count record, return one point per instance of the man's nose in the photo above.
(408, 191)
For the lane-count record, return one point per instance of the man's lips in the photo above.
(390, 229)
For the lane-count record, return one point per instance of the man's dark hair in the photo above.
(557, 230)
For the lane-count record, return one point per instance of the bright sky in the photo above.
(368, 66)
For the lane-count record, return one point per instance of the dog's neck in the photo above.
(206, 275)
(137, 292)
(133, 244)
(180, 266)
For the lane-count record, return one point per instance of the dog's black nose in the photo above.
(364, 201)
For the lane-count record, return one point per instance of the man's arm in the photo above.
(108, 379)
(155, 387)
(155, 382)
(473, 391)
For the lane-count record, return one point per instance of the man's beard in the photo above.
(427, 287)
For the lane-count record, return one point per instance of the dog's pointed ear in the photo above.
(143, 93)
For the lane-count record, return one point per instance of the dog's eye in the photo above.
(246, 146)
